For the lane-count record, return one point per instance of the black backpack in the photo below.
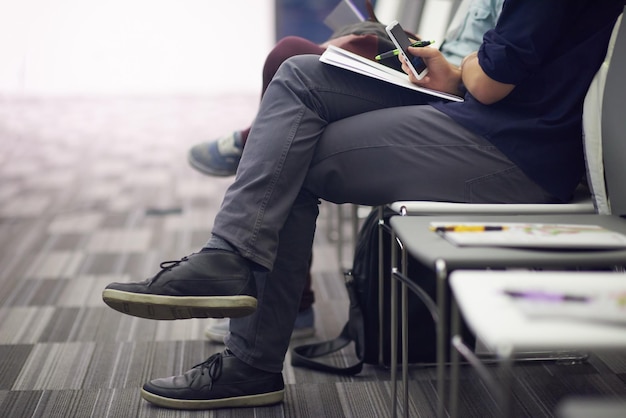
(362, 325)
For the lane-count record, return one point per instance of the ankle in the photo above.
(219, 243)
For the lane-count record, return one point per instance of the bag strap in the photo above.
(353, 331)
(304, 355)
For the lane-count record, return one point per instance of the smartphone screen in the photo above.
(403, 42)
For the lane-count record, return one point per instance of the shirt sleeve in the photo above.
(522, 38)
(465, 34)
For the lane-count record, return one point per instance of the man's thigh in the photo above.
(413, 153)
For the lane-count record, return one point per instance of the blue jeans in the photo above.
(326, 133)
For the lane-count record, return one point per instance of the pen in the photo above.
(467, 228)
(395, 52)
(545, 296)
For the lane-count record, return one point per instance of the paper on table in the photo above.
(347, 60)
(534, 235)
(558, 303)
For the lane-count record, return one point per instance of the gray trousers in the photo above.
(326, 133)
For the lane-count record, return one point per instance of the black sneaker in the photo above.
(222, 381)
(209, 284)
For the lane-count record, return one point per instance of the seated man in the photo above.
(326, 133)
(221, 156)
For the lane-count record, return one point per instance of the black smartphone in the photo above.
(402, 42)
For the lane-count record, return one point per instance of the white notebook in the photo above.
(347, 60)
(529, 235)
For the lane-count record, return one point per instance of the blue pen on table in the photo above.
(395, 52)
(546, 296)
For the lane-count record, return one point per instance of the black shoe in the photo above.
(211, 284)
(222, 381)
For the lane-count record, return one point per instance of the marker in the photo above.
(468, 228)
(395, 52)
(545, 296)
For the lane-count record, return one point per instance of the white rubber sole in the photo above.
(262, 399)
(162, 307)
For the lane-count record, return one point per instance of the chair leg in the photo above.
(405, 336)
(499, 392)
(454, 360)
(354, 214)
(394, 335)
(340, 237)
(381, 284)
(442, 278)
(505, 353)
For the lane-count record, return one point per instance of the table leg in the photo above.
(454, 359)
(394, 333)
(441, 275)
(405, 336)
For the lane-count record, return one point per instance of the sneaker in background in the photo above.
(304, 327)
(219, 157)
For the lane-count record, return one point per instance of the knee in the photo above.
(299, 73)
(293, 45)
(289, 47)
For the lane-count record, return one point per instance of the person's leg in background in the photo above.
(220, 157)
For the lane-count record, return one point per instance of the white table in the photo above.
(539, 320)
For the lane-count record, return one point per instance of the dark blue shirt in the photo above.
(550, 50)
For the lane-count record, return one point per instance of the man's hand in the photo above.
(441, 76)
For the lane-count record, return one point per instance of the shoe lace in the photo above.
(168, 266)
(213, 366)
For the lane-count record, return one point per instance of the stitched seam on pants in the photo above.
(270, 190)
(369, 147)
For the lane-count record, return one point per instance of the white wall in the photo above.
(431, 24)
(146, 47)
(434, 21)
(87, 47)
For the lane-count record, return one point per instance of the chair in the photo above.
(581, 203)
(604, 151)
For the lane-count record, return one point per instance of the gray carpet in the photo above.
(99, 190)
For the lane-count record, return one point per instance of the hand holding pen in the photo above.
(395, 52)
